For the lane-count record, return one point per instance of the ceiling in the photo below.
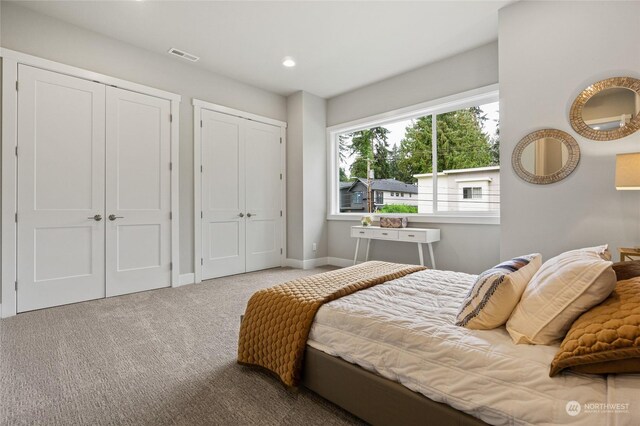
(338, 46)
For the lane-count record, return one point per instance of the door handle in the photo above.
(241, 215)
(251, 214)
(97, 217)
(113, 217)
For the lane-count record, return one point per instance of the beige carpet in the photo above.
(154, 358)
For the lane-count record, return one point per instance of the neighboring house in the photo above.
(461, 190)
(353, 195)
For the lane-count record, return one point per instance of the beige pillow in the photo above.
(562, 289)
(496, 292)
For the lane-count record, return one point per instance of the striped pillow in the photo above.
(496, 293)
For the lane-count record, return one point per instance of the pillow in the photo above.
(605, 339)
(627, 270)
(496, 292)
(562, 289)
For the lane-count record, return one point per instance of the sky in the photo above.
(397, 129)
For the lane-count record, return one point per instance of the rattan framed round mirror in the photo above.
(545, 156)
(608, 109)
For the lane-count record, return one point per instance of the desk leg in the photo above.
(355, 257)
(420, 254)
(433, 261)
(366, 259)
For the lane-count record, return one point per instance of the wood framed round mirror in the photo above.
(545, 156)
(607, 110)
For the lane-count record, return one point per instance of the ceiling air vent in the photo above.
(183, 54)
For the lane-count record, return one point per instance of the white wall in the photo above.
(306, 177)
(468, 248)
(27, 31)
(549, 52)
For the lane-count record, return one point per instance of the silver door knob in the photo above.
(249, 214)
(113, 217)
(97, 217)
(241, 215)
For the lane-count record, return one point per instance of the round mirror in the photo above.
(608, 109)
(545, 156)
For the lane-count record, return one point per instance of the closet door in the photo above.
(223, 194)
(263, 196)
(61, 149)
(138, 192)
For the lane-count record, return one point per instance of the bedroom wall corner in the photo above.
(549, 52)
(306, 177)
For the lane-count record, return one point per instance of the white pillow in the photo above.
(563, 288)
(496, 293)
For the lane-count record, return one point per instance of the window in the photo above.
(448, 153)
(356, 197)
(472, 193)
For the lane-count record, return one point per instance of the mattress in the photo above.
(404, 330)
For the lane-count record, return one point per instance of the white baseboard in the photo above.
(337, 261)
(306, 264)
(185, 279)
(321, 261)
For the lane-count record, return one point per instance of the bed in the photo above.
(392, 355)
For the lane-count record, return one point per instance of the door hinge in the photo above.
(16, 286)
(200, 169)
(280, 251)
(200, 123)
(280, 176)
(170, 166)
(280, 213)
(280, 140)
(171, 266)
(16, 217)
(170, 118)
(16, 150)
(201, 261)
(201, 215)
(170, 215)
(16, 85)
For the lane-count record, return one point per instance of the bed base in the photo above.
(373, 398)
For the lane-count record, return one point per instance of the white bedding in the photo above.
(404, 331)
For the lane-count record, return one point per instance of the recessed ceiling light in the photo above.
(288, 62)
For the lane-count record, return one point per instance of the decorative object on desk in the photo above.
(366, 221)
(393, 222)
(545, 156)
(608, 109)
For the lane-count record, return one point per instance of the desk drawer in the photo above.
(362, 233)
(413, 236)
(386, 234)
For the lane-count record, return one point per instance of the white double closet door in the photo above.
(241, 195)
(93, 190)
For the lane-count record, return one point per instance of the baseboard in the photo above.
(185, 279)
(306, 264)
(337, 261)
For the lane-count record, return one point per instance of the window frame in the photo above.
(475, 97)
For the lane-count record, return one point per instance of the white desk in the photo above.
(412, 235)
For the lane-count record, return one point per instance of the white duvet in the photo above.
(404, 330)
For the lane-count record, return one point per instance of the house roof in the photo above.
(390, 185)
(344, 185)
(456, 171)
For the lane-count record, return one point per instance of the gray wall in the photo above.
(467, 248)
(306, 177)
(29, 32)
(549, 52)
(466, 71)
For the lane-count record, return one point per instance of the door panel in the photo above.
(263, 196)
(61, 147)
(223, 200)
(138, 192)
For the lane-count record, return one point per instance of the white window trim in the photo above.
(462, 100)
